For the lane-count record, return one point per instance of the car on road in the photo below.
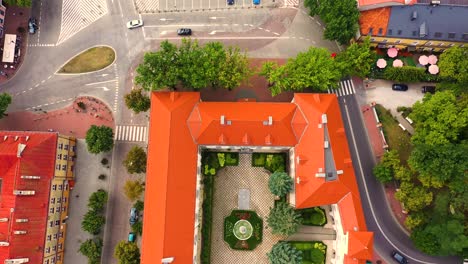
(256, 2)
(399, 257)
(131, 237)
(133, 216)
(230, 2)
(32, 25)
(428, 89)
(399, 87)
(134, 23)
(184, 32)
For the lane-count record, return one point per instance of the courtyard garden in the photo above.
(243, 230)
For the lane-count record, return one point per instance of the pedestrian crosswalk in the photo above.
(293, 3)
(78, 14)
(346, 88)
(149, 6)
(131, 133)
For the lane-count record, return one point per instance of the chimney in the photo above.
(221, 121)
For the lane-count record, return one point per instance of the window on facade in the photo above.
(60, 187)
(51, 223)
(57, 209)
(53, 259)
(60, 246)
(59, 156)
(451, 45)
(74, 148)
(54, 187)
(52, 200)
(51, 210)
(66, 147)
(47, 250)
(49, 237)
(65, 198)
(55, 236)
(415, 43)
(64, 167)
(57, 222)
(60, 146)
(61, 234)
(64, 209)
(389, 32)
(415, 33)
(46, 261)
(465, 36)
(54, 248)
(66, 186)
(2, 12)
(370, 31)
(65, 157)
(380, 31)
(451, 35)
(57, 167)
(441, 44)
(59, 257)
(438, 34)
(399, 32)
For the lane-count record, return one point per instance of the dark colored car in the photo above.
(230, 2)
(399, 257)
(399, 87)
(32, 25)
(184, 32)
(428, 89)
(133, 216)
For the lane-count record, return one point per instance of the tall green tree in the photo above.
(127, 253)
(133, 189)
(341, 18)
(99, 139)
(439, 119)
(284, 253)
(314, 69)
(280, 183)
(385, 170)
(192, 70)
(357, 59)
(414, 197)
(137, 101)
(159, 69)
(135, 162)
(283, 219)
(5, 101)
(92, 222)
(235, 69)
(215, 59)
(453, 65)
(92, 248)
(98, 200)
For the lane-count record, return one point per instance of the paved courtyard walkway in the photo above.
(227, 184)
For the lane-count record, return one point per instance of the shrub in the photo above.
(405, 74)
(280, 183)
(275, 162)
(313, 216)
(135, 162)
(207, 209)
(283, 219)
(92, 222)
(104, 161)
(92, 248)
(102, 177)
(81, 105)
(137, 228)
(139, 206)
(127, 252)
(313, 252)
(283, 252)
(133, 189)
(232, 159)
(258, 159)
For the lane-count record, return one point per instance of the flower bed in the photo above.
(243, 230)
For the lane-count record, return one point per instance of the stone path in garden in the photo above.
(228, 182)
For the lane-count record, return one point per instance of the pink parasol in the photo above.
(381, 63)
(433, 69)
(423, 60)
(397, 63)
(392, 52)
(432, 59)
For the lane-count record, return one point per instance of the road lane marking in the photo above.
(88, 84)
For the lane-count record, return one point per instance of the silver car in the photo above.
(134, 23)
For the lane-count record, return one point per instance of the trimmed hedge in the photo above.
(207, 218)
(213, 161)
(270, 161)
(404, 74)
(314, 216)
(254, 220)
(313, 252)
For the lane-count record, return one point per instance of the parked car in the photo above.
(184, 32)
(399, 257)
(230, 2)
(399, 87)
(134, 23)
(131, 237)
(256, 2)
(32, 25)
(428, 89)
(133, 216)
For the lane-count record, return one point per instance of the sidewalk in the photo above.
(71, 120)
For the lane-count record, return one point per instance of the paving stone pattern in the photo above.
(227, 184)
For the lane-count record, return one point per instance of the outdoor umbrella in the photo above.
(432, 59)
(397, 63)
(433, 69)
(424, 60)
(381, 63)
(392, 52)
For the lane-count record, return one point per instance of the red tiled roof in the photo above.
(384, 3)
(37, 159)
(360, 245)
(179, 123)
(375, 19)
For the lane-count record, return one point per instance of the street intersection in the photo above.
(69, 27)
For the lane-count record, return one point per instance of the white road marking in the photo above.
(101, 82)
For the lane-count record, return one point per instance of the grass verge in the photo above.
(93, 59)
(397, 139)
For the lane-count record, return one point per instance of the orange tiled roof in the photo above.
(37, 159)
(384, 3)
(179, 123)
(375, 19)
(360, 245)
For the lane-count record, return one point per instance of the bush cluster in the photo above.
(274, 162)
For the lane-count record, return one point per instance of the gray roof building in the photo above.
(420, 21)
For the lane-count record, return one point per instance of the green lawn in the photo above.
(396, 138)
(93, 59)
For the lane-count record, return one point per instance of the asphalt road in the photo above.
(388, 234)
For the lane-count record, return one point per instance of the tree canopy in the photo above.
(91, 248)
(137, 101)
(135, 162)
(98, 200)
(5, 101)
(133, 189)
(193, 66)
(314, 69)
(385, 170)
(357, 59)
(127, 252)
(453, 65)
(283, 219)
(93, 222)
(280, 183)
(99, 139)
(284, 253)
(341, 18)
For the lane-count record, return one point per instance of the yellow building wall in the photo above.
(419, 45)
(59, 199)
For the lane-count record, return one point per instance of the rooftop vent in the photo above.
(27, 138)
(339, 172)
(16, 138)
(30, 177)
(326, 144)
(435, 2)
(19, 232)
(22, 220)
(17, 261)
(4, 244)
(5, 138)
(324, 118)
(21, 147)
(228, 122)
(18, 192)
(3, 220)
(423, 30)
(221, 120)
(414, 15)
(167, 260)
(320, 175)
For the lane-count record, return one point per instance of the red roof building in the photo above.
(310, 127)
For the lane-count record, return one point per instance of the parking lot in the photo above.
(156, 6)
